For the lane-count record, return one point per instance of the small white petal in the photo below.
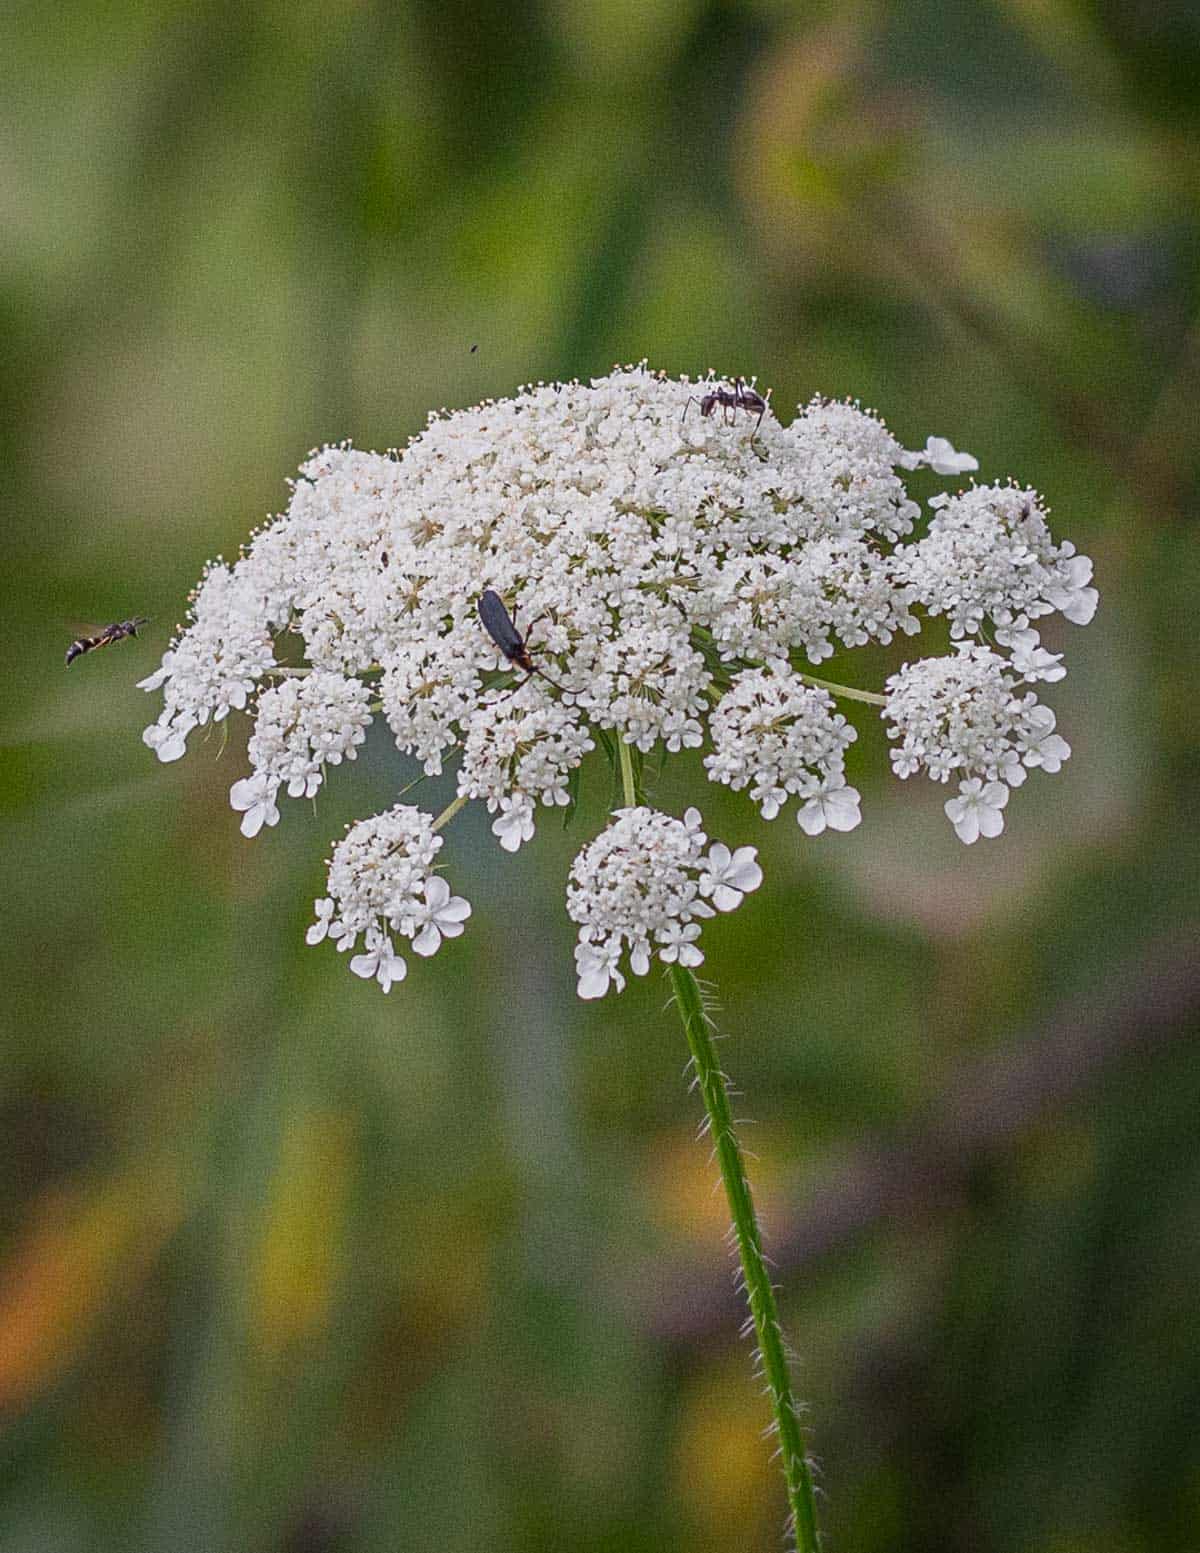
(391, 969)
(842, 809)
(811, 818)
(427, 941)
(943, 459)
(246, 792)
(321, 927)
(965, 820)
(594, 984)
(172, 749)
(744, 873)
(1080, 608)
(160, 675)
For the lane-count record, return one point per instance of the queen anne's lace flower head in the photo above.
(675, 579)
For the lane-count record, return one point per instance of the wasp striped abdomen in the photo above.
(113, 633)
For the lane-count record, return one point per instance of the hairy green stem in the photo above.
(760, 1295)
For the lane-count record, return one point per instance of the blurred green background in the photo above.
(288, 1265)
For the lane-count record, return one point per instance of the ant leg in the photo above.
(691, 400)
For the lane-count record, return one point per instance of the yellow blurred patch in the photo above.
(299, 1261)
(723, 1472)
(683, 1183)
(84, 1245)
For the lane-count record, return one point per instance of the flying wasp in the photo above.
(116, 632)
(498, 624)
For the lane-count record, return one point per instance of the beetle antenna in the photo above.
(550, 681)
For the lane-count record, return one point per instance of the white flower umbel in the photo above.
(780, 737)
(989, 555)
(642, 887)
(302, 725)
(381, 883)
(673, 579)
(522, 755)
(966, 716)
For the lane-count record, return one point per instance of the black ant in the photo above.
(740, 397)
(498, 624)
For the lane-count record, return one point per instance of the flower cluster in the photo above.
(301, 726)
(381, 882)
(965, 715)
(674, 579)
(641, 889)
(988, 555)
(217, 661)
(784, 737)
(523, 754)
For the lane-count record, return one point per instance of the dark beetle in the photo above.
(498, 624)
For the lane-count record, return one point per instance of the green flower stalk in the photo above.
(760, 1295)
